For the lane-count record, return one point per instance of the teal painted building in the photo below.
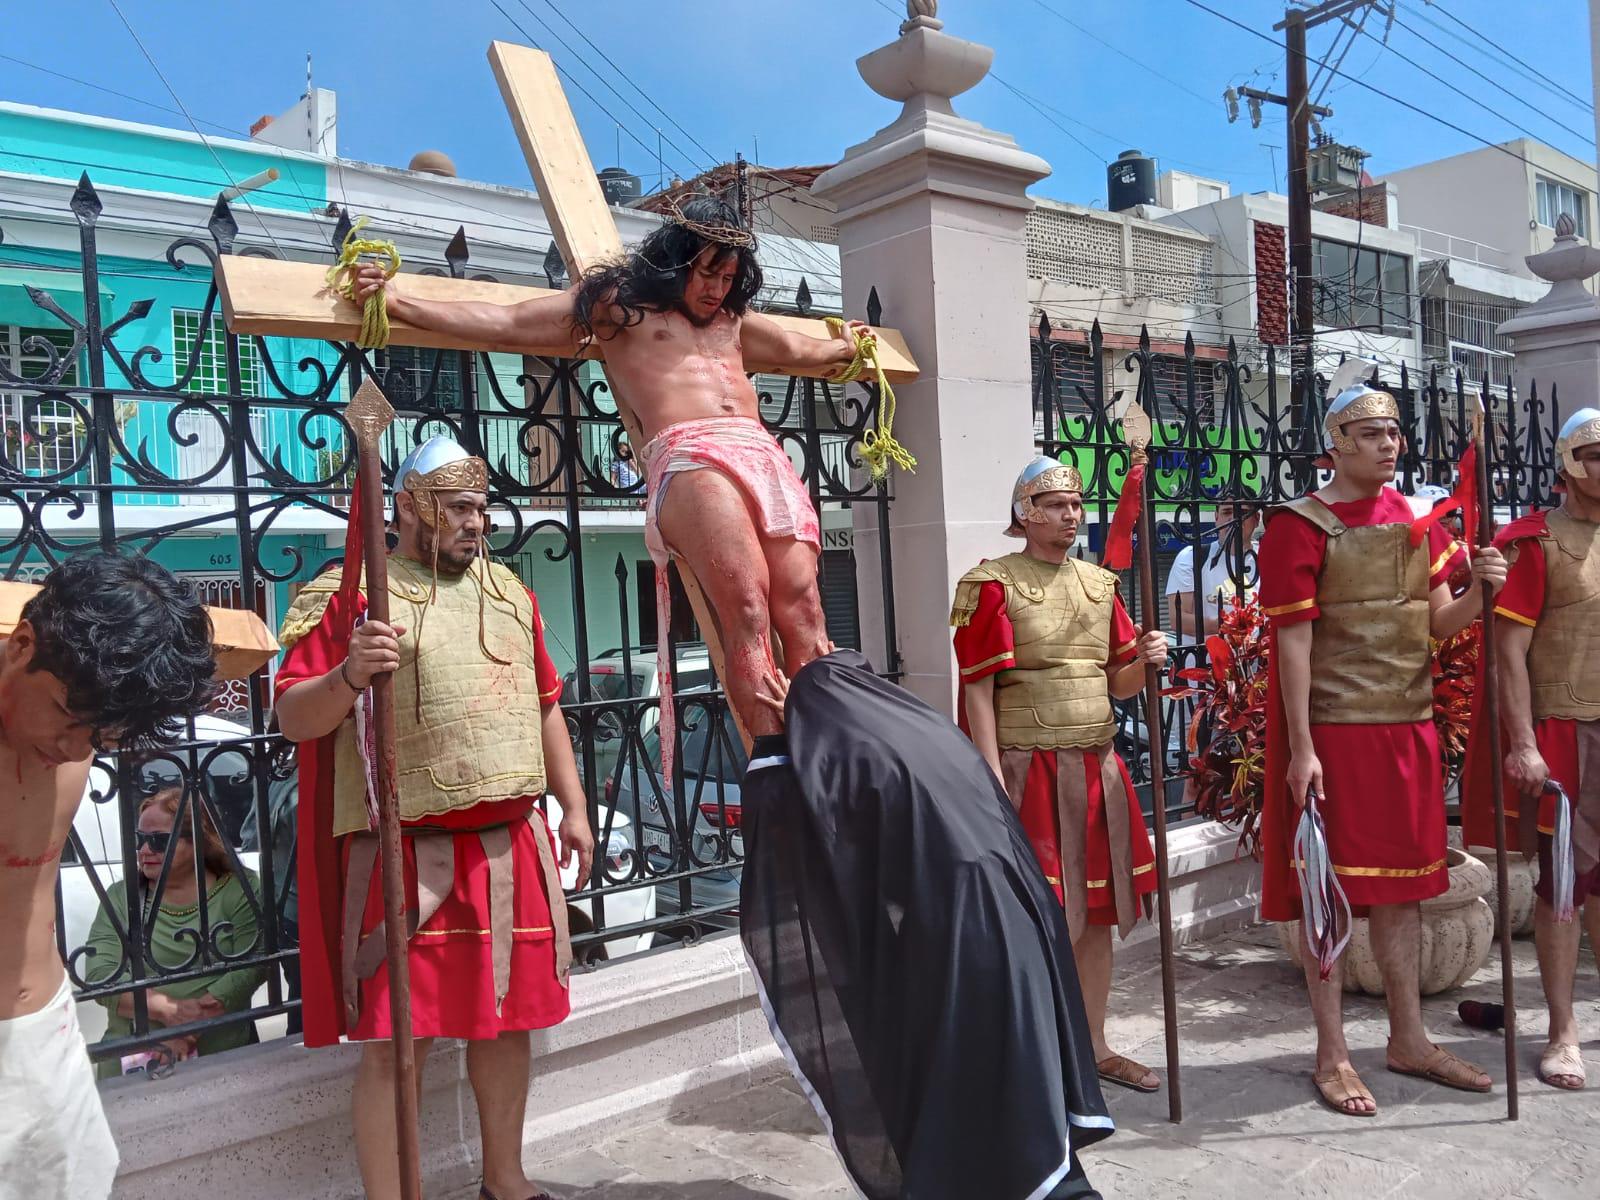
(156, 186)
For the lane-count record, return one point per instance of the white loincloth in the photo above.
(54, 1140)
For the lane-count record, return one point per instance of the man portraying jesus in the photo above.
(675, 320)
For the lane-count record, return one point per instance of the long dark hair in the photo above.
(652, 278)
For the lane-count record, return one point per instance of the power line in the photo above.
(1468, 96)
(670, 119)
(1092, 36)
(264, 148)
(108, 91)
(1039, 108)
(1495, 46)
(565, 45)
(1499, 87)
(1393, 99)
(806, 245)
(176, 100)
(520, 28)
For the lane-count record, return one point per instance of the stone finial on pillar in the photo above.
(921, 14)
(1565, 266)
(924, 67)
(931, 214)
(1557, 337)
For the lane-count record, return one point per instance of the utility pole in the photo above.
(1594, 56)
(742, 192)
(1302, 315)
(1302, 326)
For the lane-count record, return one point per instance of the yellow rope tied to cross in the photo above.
(342, 279)
(878, 446)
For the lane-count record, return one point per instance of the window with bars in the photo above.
(204, 447)
(1557, 199)
(1172, 387)
(1477, 365)
(48, 438)
(409, 372)
(1359, 287)
(1073, 376)
(211, 375)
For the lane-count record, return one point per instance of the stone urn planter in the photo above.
(1457, 932)
(1520, 873)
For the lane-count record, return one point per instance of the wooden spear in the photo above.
(1136, 435)
(1491, 700)
(369, 415)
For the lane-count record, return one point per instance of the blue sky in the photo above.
(780, 76)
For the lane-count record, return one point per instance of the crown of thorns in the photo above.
(722, 235)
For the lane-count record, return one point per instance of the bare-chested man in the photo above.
(675, 321)
(110, 651)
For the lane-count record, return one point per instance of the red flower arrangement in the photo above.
(1455, 673)
(1227, 738)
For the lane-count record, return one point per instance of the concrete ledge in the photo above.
(652, 1035)
(1216, 888)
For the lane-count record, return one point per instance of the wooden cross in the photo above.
(289, 299)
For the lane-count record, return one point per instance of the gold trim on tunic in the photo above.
(989, 662)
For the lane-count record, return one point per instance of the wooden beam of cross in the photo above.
(265, 296)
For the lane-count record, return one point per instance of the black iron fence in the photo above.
(1243, 433)
(143, 448)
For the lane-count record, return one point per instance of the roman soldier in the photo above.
(1044, 645)
(1549, 669)
(1352, 595)
(480, 742)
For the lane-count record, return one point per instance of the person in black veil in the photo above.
(912, 961)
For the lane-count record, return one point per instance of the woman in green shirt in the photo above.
(173, 938)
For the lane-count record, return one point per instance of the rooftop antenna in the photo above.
(312, 140)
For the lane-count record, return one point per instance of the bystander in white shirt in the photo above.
(1217, 582)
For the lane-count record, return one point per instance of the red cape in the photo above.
(1477, 794)
(319, 872)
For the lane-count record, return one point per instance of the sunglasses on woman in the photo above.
(158, 841)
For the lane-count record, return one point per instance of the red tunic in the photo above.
(1383, 790)
(1521, 600)
(985, 647)
(452, 973)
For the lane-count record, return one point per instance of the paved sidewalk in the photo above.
(1252, 1127)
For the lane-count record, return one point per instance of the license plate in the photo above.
(658, 839)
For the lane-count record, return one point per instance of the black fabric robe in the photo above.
(913, 962)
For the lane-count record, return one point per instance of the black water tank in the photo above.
(620, 187)
(1130, 181)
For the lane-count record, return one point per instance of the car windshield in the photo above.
(606, 682)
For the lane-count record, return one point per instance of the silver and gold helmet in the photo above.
(1351, 399)
(1581, 429)
(439, 465)
(1038, 477)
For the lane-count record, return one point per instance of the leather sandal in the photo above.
(1340, 1086)
(1445, 1068)
(1562, 1060)
(1124, 1071)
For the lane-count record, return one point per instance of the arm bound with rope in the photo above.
(546, 321)
(854, 350)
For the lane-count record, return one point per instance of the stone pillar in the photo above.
(931, 214)
(1557, 338)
